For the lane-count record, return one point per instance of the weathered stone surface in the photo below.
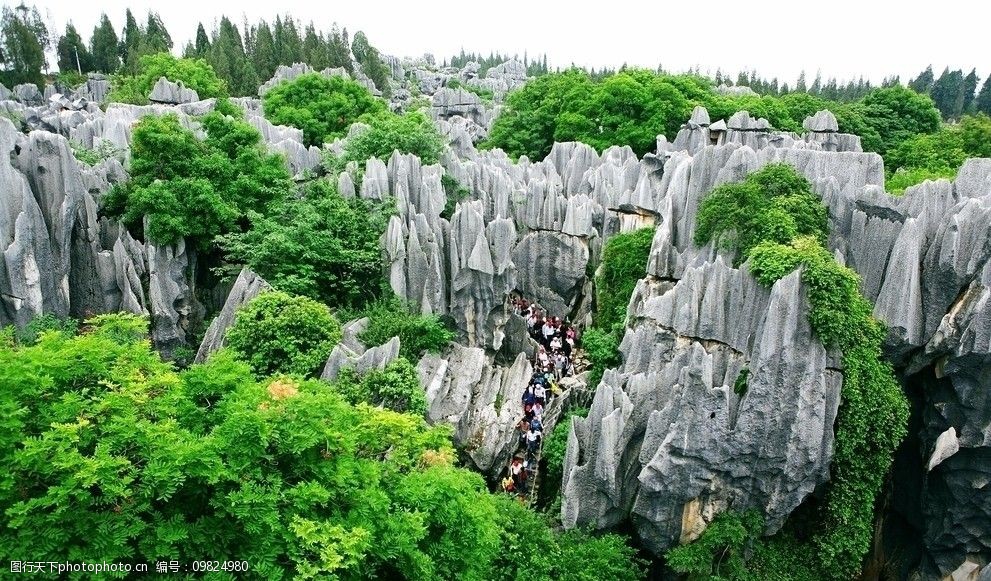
(247, 286)
(168, 93)
(667, 430)
(28, 93)
(362, 360)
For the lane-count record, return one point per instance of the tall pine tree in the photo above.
(73, 56)
(103, 46)
(229, 61)
(924, 82)
(969, 90)
(25, 39)
(130, 43)
(982, 104)
(264, 55)
(156, 38)
(201, 47)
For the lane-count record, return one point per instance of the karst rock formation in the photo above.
(667, 443)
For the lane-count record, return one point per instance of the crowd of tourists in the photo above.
(556, 341)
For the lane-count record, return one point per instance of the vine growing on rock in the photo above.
(874, 411)
(624, 260)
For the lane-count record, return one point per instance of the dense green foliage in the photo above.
(940, 154)
(194, 74)
(624, 262)
(277, 333)
(454, 192)
(23, 41)
(630, 108)
(418, 334)
(397, 387)
(323, 107)
(719, 552)
(188, 188)
(556, 445)
(323, 246)
(775, 204)
(412, 133)
(112, 456)
(873, 412)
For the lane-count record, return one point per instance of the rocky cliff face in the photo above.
(668, 442)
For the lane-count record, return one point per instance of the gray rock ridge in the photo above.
(61, 259)
(482, 400)
(168, 93)
(247, 286)
(361, 360)
(668, 442)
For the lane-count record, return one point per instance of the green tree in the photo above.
(132, 38)
(411, 132)
(323, 107)
(969, 91)
(195, 74)
(371, 63)
(624, 262)
(24, 39)
(201, 48)
(227, 57)
(897, 114)
(338, 50)
(397, 387)
(156, 37)
(948, 93)
(323, 246)
(418, 334)
(314, 48)
(982, 104)
(72, 52)
(277, 333)
(264, 55)
(182, 187)
(104, 46)
(975, 133)
(288, 44)
(923, 83)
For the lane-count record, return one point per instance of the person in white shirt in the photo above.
(540, 393)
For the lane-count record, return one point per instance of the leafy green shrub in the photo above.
(46, 323)
(718, 552)
(105, 150)
(455, 192)
(583, 556)
(629, 108)
(624, 262)
(418, 334)
(396, 387)
(411, 132)
(187, 188)
(323, 107)
(555, 447)
(740, 384)
(323, 246)
(775, 203)
(277, 333)
(109, 454)
(873, 411)
(195, 74)
(602, 349)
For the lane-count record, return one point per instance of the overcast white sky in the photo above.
(842, 38)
